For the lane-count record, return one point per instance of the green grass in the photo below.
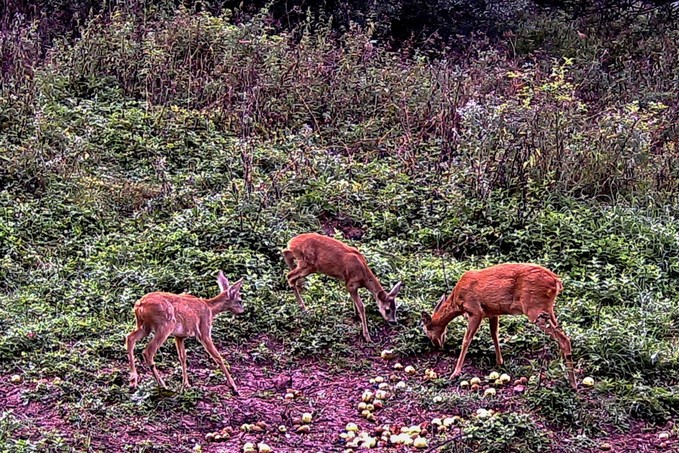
(107, 196)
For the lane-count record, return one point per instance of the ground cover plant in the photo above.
(147, 153)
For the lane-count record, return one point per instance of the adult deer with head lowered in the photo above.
(504, 289)
(311, 253)
(181, 316)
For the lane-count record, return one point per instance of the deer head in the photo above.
(232, 299)
(436, 334)
(387, 306)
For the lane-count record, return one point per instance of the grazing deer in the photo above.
(181, 316)
(315, 253)
(504, 289)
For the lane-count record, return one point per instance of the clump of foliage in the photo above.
(504, 432)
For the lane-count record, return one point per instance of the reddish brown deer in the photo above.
(181, 316)
(504, 289)
(315, 253)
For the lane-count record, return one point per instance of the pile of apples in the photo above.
(382, 436)
(494, 378)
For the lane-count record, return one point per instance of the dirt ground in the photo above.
(330, 393)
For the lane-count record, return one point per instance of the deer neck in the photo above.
(373, 285)
(218, 303)
(446, 313)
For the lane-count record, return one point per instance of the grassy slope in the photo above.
(115, 198)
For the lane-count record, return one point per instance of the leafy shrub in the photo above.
(504, 432)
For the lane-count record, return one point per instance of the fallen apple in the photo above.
(249, 447)
(304, 429)
(430, 374)
(369, 442)
(489, 392)
(387, 354)
(588, 382)
(493, 375)
(351, 427)
(420, 442)
(263, 448)
(415, 429)
(483, 413)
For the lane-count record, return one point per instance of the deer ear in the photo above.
(236, 287)
(426, 318)
(395, 290)
(222, 281)
(438, 304)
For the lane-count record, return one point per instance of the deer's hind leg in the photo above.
(130, 341)
(159, 337)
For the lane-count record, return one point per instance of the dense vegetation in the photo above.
(150, 151)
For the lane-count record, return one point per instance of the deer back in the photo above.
(329, 256)
(507, 289)
(187, 314)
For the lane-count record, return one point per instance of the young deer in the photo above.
(181, 316)
(504, 289)
(315, 253)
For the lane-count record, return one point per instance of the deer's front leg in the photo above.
(547, 323)
(494, 329)
(472, 327)
(296, 276)
(216, 356)
(360, 308)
